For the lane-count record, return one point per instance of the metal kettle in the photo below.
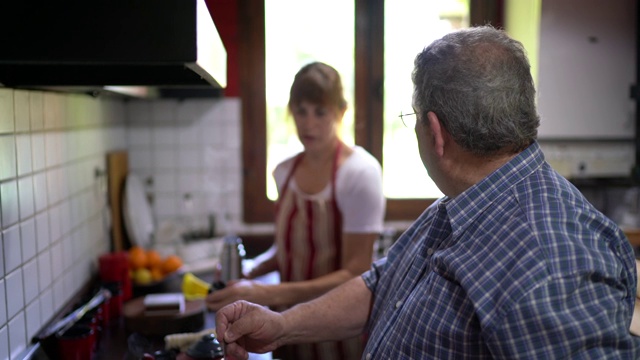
(231, 258)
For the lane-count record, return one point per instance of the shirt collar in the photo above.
(464, 208)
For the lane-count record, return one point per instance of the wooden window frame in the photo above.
(369, 80)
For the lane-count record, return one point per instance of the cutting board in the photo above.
(117, 170)
(191, 320)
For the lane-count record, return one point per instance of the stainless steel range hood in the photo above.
(167, 44)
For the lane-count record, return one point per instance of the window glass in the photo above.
(409, 26)
(298, 32)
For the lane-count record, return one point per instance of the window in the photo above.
(325, 35)
(416, 23)
(369, 121)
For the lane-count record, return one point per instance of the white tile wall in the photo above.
(7, 122)
(17, 335)
(3, 306)
(7, 155)
(52, 208)
(188, 148)
(4, 343)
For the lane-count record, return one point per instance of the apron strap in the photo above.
(337, 216)
(285, 186)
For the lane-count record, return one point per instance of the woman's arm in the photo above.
(264, 263)
(357, 252)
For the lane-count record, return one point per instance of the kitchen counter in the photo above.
(117, 343)
(634, 236)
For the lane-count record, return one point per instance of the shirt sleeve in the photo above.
(372, 276)
(281, 172)
(581, 316)
(359, 194)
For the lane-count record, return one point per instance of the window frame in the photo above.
(369, 82)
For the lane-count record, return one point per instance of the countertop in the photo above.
(633, 235)
(115, 341)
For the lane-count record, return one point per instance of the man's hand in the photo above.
(244, 327)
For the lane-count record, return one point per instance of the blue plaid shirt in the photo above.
(520, 265)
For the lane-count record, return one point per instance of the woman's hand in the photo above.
(236, 290)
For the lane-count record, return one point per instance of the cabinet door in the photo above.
(586, 67)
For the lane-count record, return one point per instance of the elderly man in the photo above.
(513, 262)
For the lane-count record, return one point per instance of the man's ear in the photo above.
(437, 132)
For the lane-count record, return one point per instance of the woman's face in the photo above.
(317, 125)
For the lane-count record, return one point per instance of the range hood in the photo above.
(120, 45)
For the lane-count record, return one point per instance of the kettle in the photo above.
(231, 259)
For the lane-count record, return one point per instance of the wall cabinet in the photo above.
(587, 65)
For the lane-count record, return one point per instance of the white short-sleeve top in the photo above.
(358, 191)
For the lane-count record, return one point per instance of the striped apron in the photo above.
(309, 243)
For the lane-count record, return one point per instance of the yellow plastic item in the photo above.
(194, 288)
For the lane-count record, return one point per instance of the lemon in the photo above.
(142, 276)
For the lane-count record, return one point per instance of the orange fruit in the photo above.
(156, 273)
(153, 259)
(171, 263)
(137, 258)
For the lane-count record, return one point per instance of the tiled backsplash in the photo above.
(53, 208)
(54, 214)
(188, 154)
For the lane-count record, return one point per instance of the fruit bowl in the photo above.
(153, 273)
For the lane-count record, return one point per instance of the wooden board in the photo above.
(117, 170)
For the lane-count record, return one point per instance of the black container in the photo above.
(207, 348)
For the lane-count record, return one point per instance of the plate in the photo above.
(137, 213)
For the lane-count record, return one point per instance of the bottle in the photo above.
(231, 258)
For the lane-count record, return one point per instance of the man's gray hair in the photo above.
(478, 82)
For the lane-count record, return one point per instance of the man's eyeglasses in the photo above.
(409, 120)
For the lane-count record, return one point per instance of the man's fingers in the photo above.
(228, 317)
(233, 351)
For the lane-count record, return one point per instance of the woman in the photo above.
(330, 210)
